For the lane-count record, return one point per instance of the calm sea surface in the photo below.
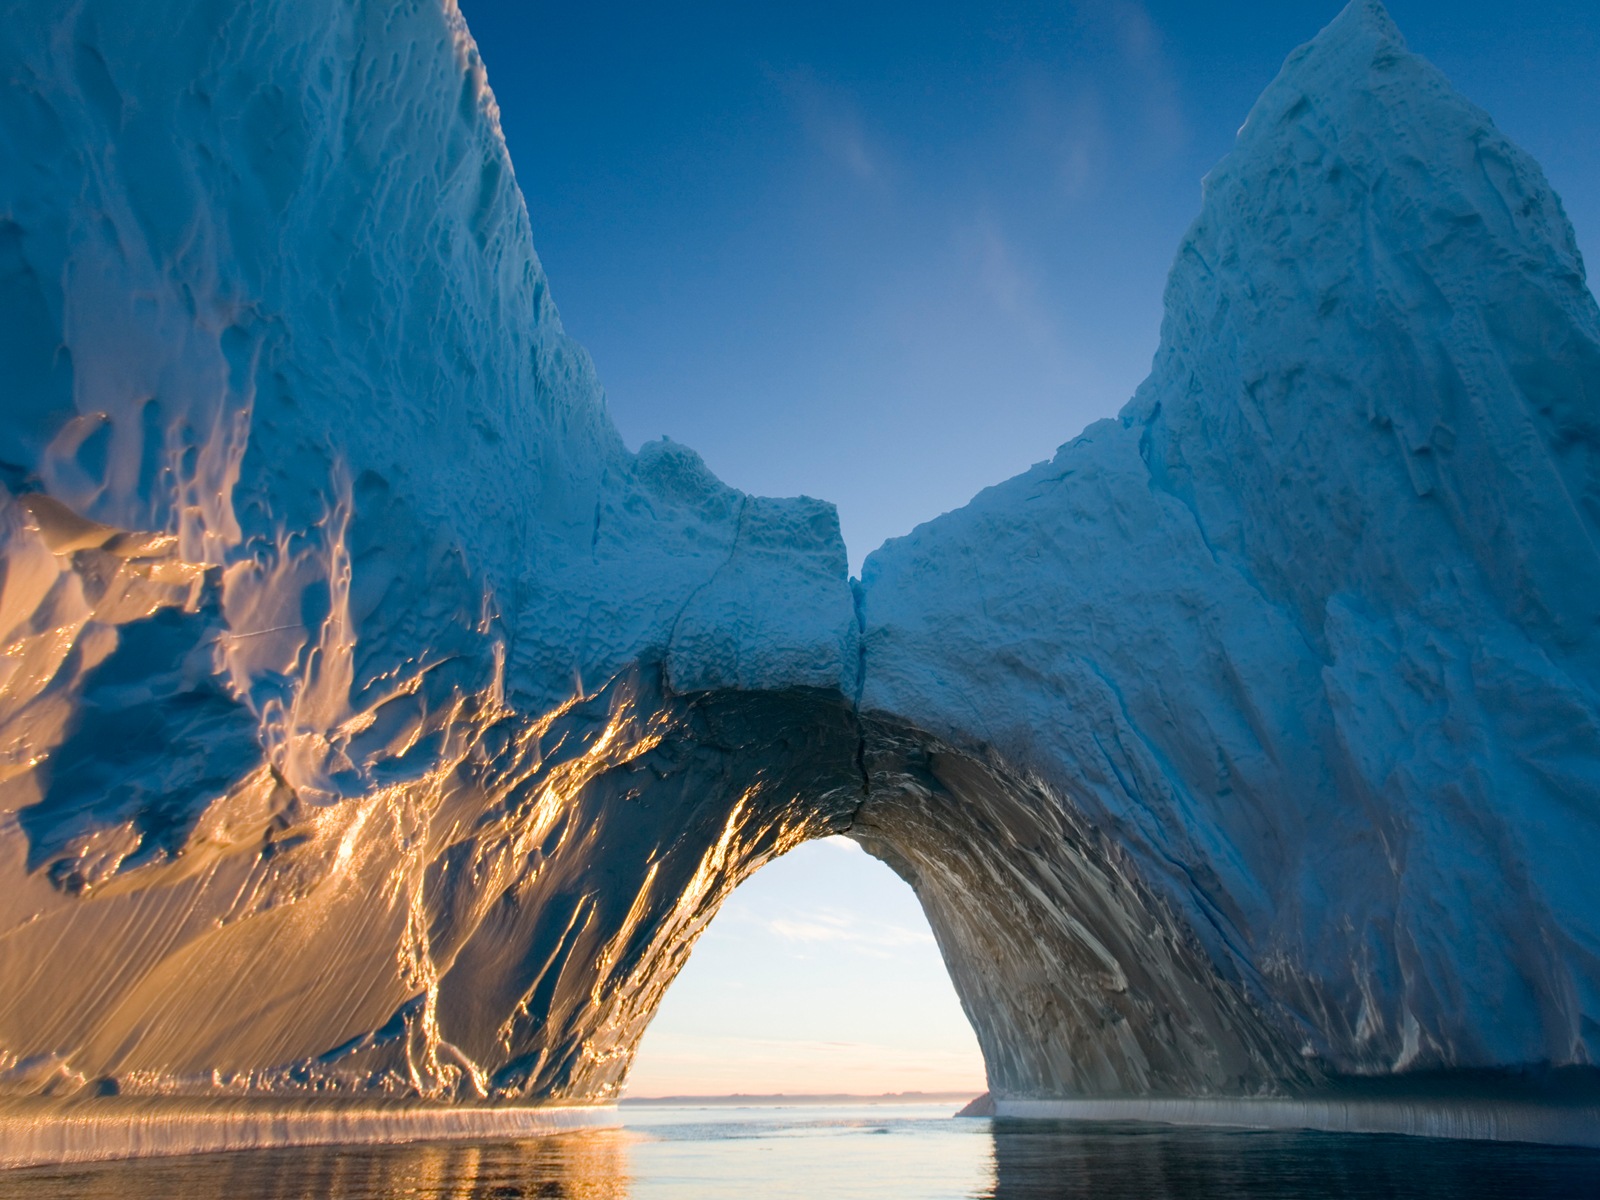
(841, 1153)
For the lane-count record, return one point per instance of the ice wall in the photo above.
(328, 583)
(1309, 632)
(374, 724)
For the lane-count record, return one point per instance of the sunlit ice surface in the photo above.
(910, 1152)
(819, 976)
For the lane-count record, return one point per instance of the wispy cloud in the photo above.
(1064, 125)
(1081, 152)
(825, 926)
(1012, 289)
(833, 123)
(1141, 48)
(1112, 97)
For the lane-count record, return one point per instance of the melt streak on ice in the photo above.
(374, 725)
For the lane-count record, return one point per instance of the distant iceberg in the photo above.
(376, 729)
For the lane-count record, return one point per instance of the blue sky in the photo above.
(888, 254)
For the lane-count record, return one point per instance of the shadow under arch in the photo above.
(1077, 979)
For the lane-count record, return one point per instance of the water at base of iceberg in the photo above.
(910, 1152)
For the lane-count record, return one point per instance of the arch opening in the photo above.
(819, 977)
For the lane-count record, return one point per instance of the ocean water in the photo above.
(909, 1152)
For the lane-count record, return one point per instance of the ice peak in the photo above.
(1344, 59)
(1362, 36)
(1358, 131)
(1365, 20)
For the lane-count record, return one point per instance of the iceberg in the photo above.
(1306, 637)
(377, 731)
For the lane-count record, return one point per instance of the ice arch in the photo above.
(375, 724)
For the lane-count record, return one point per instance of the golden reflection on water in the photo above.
(848, 1154)
(589, 1165)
